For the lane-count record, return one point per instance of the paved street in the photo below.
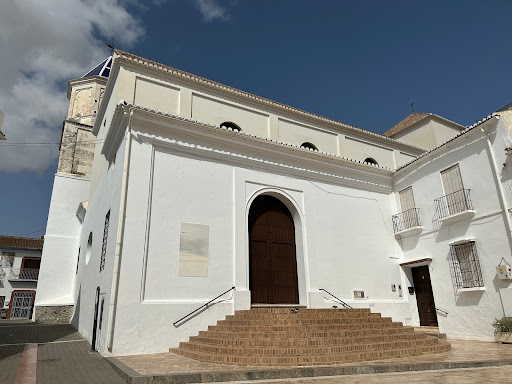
(63, 356)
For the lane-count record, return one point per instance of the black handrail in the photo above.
(440, 310)
(345, 305)
(406, 219)
(453, 203)
(202, 306)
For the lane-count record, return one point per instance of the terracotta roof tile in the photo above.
(21, 242)
(414, 118)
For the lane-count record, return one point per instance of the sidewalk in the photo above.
(63, 356)
(170, 368)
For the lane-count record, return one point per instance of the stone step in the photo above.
(307, 350)
(305, 360)
(305, 341)
(359, 331)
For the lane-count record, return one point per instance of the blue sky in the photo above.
(359, 62)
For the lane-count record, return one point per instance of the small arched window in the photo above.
(230, 125)
(371, 161)
(309, 146)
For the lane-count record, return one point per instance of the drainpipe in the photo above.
(501, 194)
(119, 241)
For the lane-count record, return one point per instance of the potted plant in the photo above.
(503, 330)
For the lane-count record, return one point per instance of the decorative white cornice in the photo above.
(120, 56)
(246, 149)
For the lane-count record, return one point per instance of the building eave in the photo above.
(436, 150)
(120, 57)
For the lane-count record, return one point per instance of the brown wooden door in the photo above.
(273, 264)
(424, 296)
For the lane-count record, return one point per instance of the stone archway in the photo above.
(272, 253)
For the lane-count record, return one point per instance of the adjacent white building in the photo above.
(196, 187)
(20, 260)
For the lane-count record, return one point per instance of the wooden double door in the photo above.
(424, 296)
(272, 259)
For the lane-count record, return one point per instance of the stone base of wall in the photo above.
(54, 315)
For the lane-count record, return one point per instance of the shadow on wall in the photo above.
(465, 299)
(450, 232)
(76, 315)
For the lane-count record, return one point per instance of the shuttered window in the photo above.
(454, 190)
(407, 199)
(409, 216)
(452, 180)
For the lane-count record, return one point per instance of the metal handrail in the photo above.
(440, 310)
(345, 305)
(409, 218)
(202, 306)
(453, 203)
(24, 274)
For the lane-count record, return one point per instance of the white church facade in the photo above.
(173, 189)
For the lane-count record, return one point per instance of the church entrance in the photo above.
(272, 259)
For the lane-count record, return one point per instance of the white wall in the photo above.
(107, 197)
(343, 236)
(470, 314)
(60, 251)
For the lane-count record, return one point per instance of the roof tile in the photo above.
(21, 242)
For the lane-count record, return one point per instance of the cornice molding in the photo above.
(245, 97)
(184, 135)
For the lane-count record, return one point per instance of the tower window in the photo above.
(309, 146)
(230, 125)
(371, 161)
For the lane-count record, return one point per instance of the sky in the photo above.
(360, 62)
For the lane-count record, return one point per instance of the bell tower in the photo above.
(77, 142)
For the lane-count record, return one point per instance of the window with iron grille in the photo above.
(465, 266)
(104, 244)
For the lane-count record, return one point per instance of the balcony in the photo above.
(24, 274)
(407, 223)
(454, 207)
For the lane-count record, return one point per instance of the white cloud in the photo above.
(42, 45)
(211, 10)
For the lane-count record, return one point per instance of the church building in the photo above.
(173, 190)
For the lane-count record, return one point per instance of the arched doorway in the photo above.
(272, 259)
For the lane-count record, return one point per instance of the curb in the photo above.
(133, 377)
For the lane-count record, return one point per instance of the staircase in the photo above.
(280, 337)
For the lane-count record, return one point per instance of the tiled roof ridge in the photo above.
(123, 103)
(21, 242)
(190, 76)
(414, 118)
(466, 130)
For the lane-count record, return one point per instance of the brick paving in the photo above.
(63, 356)
(462, 351)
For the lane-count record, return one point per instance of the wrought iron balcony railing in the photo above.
(453, 203)
(406, 220)
(24, 274)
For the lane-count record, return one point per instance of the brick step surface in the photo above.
(310, 334)
(276, 336)
(304, 341)
(301, 321)
(306, 360)
(326, 313)
(304, 327)
(307, 350)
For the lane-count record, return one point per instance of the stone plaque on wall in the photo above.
(194, 249)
